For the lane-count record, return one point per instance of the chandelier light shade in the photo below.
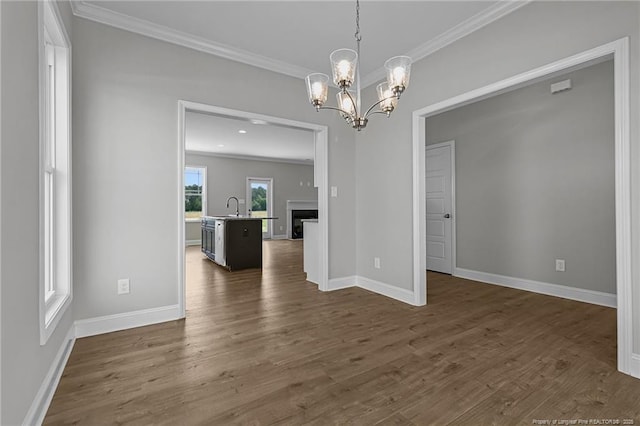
(345, 65)
(346, 105)
(386, 97)
(317, 88)
(398, 70)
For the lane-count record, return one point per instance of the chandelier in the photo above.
(345, 66)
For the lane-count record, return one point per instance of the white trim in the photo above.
(624, 281)
(49, 17)
(377, 287)
(182, 253)
(485, 17)
(193, 243)
(620, 51)
(635, 365)
(126, 320)
(161, 32)
(388, 290)
(279, 237)
(42, 400)
(572, 293)
(251, 158)
(452, 145)
(342, 282)
(1, 210)
(321, 172)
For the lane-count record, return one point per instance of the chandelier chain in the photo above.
(357, 34)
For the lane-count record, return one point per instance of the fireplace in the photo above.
(293, 205)
(296, 221)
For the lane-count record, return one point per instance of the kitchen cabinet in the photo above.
(233, 242)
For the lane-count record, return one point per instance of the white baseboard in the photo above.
(279, 237)
(193, 243)
(572, 293)
(635, 366)
(127, 320)
(378, 287)
(343, 282)
(40, 404)
(385, 289)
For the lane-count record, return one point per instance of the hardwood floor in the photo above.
(269, 348)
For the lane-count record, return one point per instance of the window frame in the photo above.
(55, 222)
(204, 191)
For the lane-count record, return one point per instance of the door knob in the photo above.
(447, 216)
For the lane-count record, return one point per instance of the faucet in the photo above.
(237, 203)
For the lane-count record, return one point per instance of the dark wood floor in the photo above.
(269, 348)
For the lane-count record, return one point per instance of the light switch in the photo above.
(334, 191)
(241, 201)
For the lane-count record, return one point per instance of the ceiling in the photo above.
(221, 136)
(293, 38)
(296, 37)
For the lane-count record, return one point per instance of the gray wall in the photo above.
(126, 92)
(535, 181)
(24, 362)
(227, 177)
(534, 35)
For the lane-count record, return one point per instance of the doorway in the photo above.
(260, 202)
(619, 51)
(320, 179)
(440, 199)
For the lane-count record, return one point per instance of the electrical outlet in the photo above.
(123, 286)
(376, 262)
(281, 227)
(334, 191)
(560, 265)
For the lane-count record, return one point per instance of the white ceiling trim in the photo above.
(161, 32)
(463, 29)
(252, 158)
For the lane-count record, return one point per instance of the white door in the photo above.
(260, 200)
(439, 184)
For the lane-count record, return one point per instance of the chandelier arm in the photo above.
(337, 109)
(375, 105)
(380, 112)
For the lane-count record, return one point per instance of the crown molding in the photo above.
(252, 158)
(139, 26)
(487, 16)
(160, 32)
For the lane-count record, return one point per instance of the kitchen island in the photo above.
(234, 242)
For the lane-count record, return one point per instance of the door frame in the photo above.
(452, 145)
(321, 181)
(628, 362)
(269, 202)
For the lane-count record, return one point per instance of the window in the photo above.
(195, 200)
(55, 170)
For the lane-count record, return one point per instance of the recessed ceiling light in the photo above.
(242, 132)
(220, 146)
